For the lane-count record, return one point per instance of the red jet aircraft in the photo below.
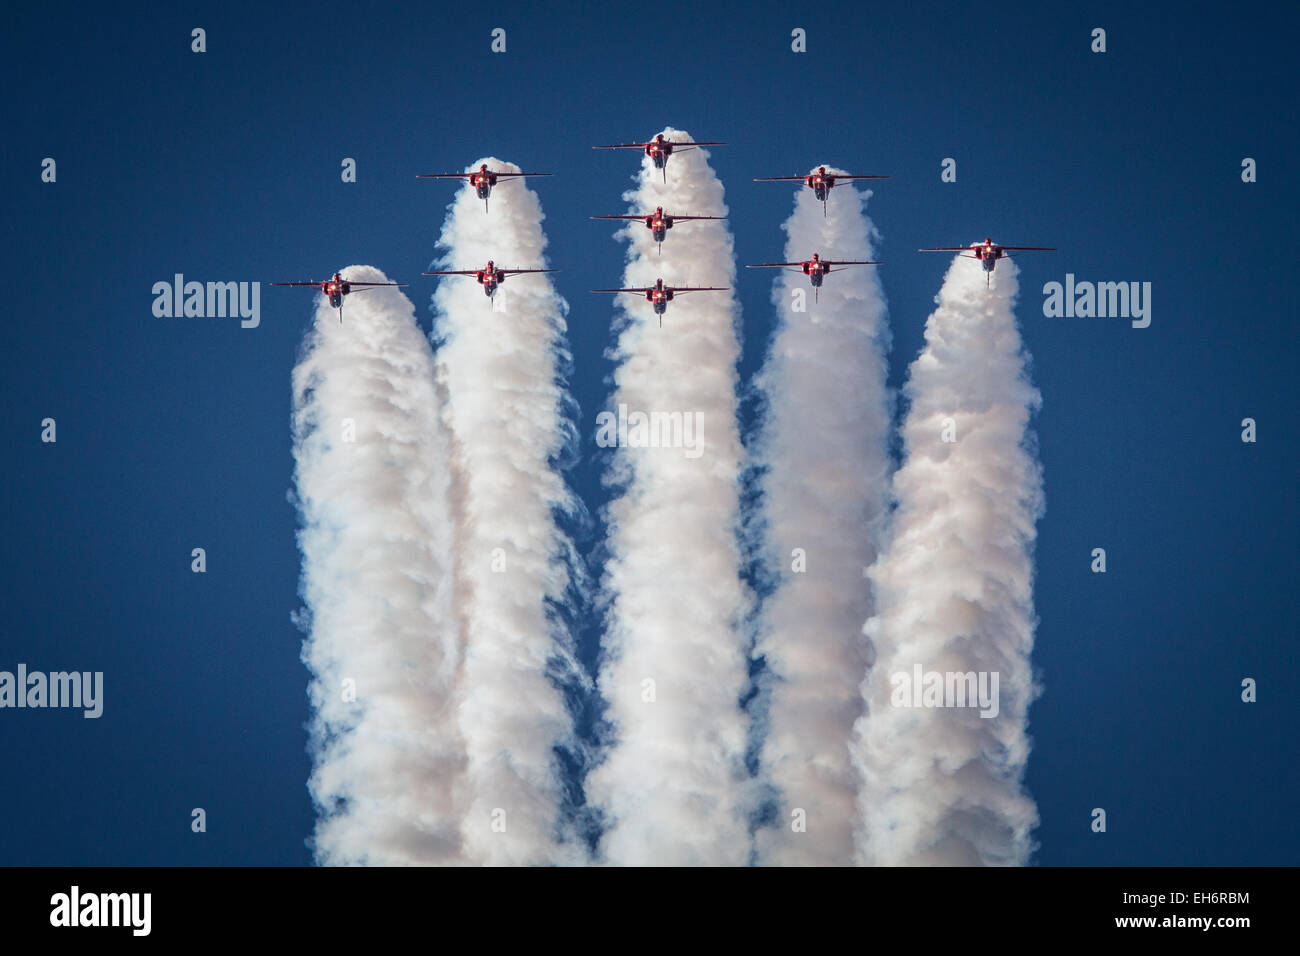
(482, 179)
(337, 287)
(659, 295)
(489, 277)
(816, 268)
(659, 149)
(820, 182)
(658, 223)
(988, 253)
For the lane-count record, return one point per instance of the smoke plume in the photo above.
(499, 368)
(824, 453)
(377, 544)
(673, 782)
(942, 781)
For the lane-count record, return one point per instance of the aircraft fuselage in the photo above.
(335, 289)
(815, 270)
(988, 256)
(821, 184)
(659, 226)
(659, 153)
(483, 183)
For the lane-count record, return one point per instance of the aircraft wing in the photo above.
(687, 218)
(773, 265)
(949, 249)
(667, 142)
(791, 179)
(452, 272)
(354, 284)
(696, 288)
(511, 272)
(1030, 248)
(623, 290)
(635, 218)
(852, 262)
(315, 284)
(443, 175)
(501, 175)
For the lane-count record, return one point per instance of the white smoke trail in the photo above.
(825, 492)
(507, 413)
(376, 543)
(671, 786)
(943, 785)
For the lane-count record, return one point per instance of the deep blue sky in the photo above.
(174, 433)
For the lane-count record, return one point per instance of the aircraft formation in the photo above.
(659, 149)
